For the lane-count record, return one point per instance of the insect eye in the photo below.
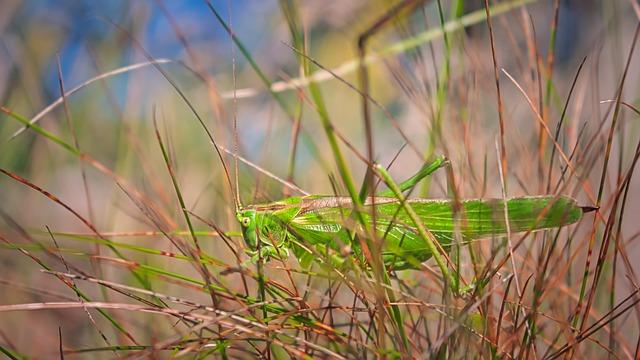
(246, 221)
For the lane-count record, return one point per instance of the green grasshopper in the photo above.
(322, 227)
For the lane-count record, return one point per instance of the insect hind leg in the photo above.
(426, 170)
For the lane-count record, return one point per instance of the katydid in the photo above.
(318, 226)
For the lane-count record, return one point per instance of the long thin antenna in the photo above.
(184, 98)
(264, 171)
(235, 116)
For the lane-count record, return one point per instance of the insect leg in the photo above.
(426, 170)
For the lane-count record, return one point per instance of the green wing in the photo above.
(473, 219)
(485, 217)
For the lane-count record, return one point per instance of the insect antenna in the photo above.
(184, 98)
(236, 141)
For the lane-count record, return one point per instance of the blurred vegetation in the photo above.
(431, 92)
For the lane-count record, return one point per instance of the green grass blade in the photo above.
(37, 128)
(416, 221)
(10, 354)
